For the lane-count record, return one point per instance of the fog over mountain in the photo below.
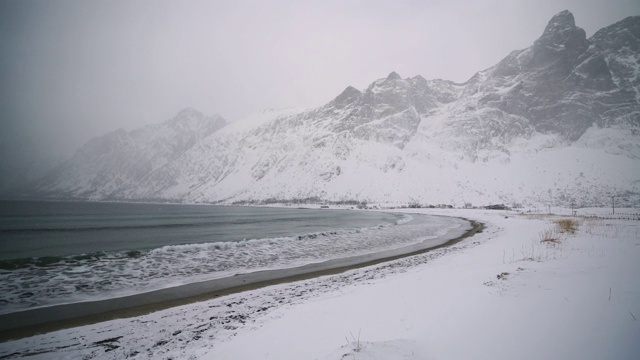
(72, 70)
(557, 123)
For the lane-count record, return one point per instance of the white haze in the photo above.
(73, 70)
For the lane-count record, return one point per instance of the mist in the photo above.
(73, 70)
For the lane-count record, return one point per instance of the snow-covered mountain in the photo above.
(556, 123)
(112, 166)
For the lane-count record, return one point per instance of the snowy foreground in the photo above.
(501, 294)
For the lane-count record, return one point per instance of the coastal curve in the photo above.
(46, 319)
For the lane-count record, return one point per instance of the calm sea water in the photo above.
(53, 229)
(63, 252)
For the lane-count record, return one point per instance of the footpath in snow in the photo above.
(527, 287)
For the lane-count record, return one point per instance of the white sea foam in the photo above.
(121, 273)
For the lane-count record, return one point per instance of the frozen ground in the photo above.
(501, 294)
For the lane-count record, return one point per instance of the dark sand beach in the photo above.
(47, 319)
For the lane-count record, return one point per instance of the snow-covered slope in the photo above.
(556, 123)
(111, 166)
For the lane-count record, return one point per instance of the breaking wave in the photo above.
(44, 281)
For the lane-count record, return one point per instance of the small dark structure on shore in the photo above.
(497, 207)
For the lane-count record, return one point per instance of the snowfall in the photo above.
(504, 293)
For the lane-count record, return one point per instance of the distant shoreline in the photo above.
(42, 320)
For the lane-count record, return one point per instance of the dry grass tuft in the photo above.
(354, 343)
(549, 236)
(567, 225)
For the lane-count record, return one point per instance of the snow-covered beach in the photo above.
(500, 294)
(257, 263)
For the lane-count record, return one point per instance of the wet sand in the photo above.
(42, 320)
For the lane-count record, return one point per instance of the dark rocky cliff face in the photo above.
(565, 83)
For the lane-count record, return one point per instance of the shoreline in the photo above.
(47, 319)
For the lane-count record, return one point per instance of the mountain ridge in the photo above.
(564, 99)
(120, 159)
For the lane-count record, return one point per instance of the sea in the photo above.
(64, 252)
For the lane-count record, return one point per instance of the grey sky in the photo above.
(72, 70)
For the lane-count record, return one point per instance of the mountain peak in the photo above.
(393, 76)
(561, 20)
(188, 112)
(562, 33)
(348, 95)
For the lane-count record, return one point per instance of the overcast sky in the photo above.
(72, 70)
